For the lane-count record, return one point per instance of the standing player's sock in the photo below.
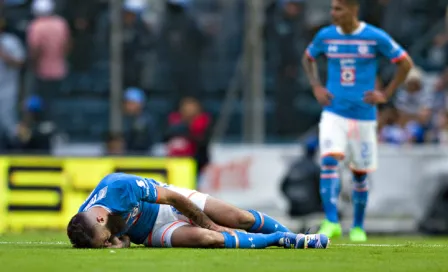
(330, 188)
(251, 240)
(265, 224)
(360, 196)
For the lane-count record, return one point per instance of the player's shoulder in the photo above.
(327, 31)
(374, 32)
(118, 179)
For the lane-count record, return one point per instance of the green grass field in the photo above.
(49, 251)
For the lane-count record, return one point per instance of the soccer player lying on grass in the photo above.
(125, 208)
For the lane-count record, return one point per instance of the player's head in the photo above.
(344, 11)
(92, 230)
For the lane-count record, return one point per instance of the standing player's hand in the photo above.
(322, 95)
(375, 97)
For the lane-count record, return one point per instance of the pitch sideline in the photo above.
(332, 245)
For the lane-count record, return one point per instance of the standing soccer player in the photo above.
(348, 122)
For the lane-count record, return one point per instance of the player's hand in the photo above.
(322, 95)
(375, 97)
(122, 242)
(218, 228)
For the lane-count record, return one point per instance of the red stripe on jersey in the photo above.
(351, 42)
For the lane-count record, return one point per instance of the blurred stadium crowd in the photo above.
(179, 57)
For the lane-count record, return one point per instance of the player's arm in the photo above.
(311, 71)
(187, 208)
(396, 54)
(149, 191)
(309, 64)
(404, 65)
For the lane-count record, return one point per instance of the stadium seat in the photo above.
(83, 118)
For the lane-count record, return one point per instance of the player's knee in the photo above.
(211, 239)
(244, 219)
(359, 176)
(329, 161)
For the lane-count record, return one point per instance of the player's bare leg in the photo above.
(230, 216)
(195, 237)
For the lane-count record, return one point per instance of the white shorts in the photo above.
(169, 219)
(353, 139)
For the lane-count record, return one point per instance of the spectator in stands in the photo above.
(437, 53)
(417, 129)
(440, 53)
(441, 128)
(81, 18)
(115, 145)
(138, 40)
(406, 21)
(180, 48)
(287, 30)
(35, 133)
(389, 130)
(139, 128)
(189, 132)
(412, 99)
(48, 42)
(12, 57)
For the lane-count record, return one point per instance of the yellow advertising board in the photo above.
(45, 192)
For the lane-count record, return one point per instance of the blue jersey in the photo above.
(130, 196)
(352, 66)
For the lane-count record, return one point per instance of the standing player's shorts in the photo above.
(169, 219)
(354, 139)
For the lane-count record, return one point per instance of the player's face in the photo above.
(102, 237)
(115, 224)
(341, 13)
(104, 230)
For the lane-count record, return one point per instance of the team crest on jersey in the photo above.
(348, 76)
(363, 49)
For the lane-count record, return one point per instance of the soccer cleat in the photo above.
(332, 230)
(357, 234)
(304, 241)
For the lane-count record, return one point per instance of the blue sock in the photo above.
(251, 240)
(359, 197)
(265, 224)
(330, 188)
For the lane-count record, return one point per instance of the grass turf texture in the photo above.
(49, 251)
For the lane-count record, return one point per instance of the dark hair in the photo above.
(80, 232)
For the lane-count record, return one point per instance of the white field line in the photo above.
(387, 245)
(33, 243)
(332, 245)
